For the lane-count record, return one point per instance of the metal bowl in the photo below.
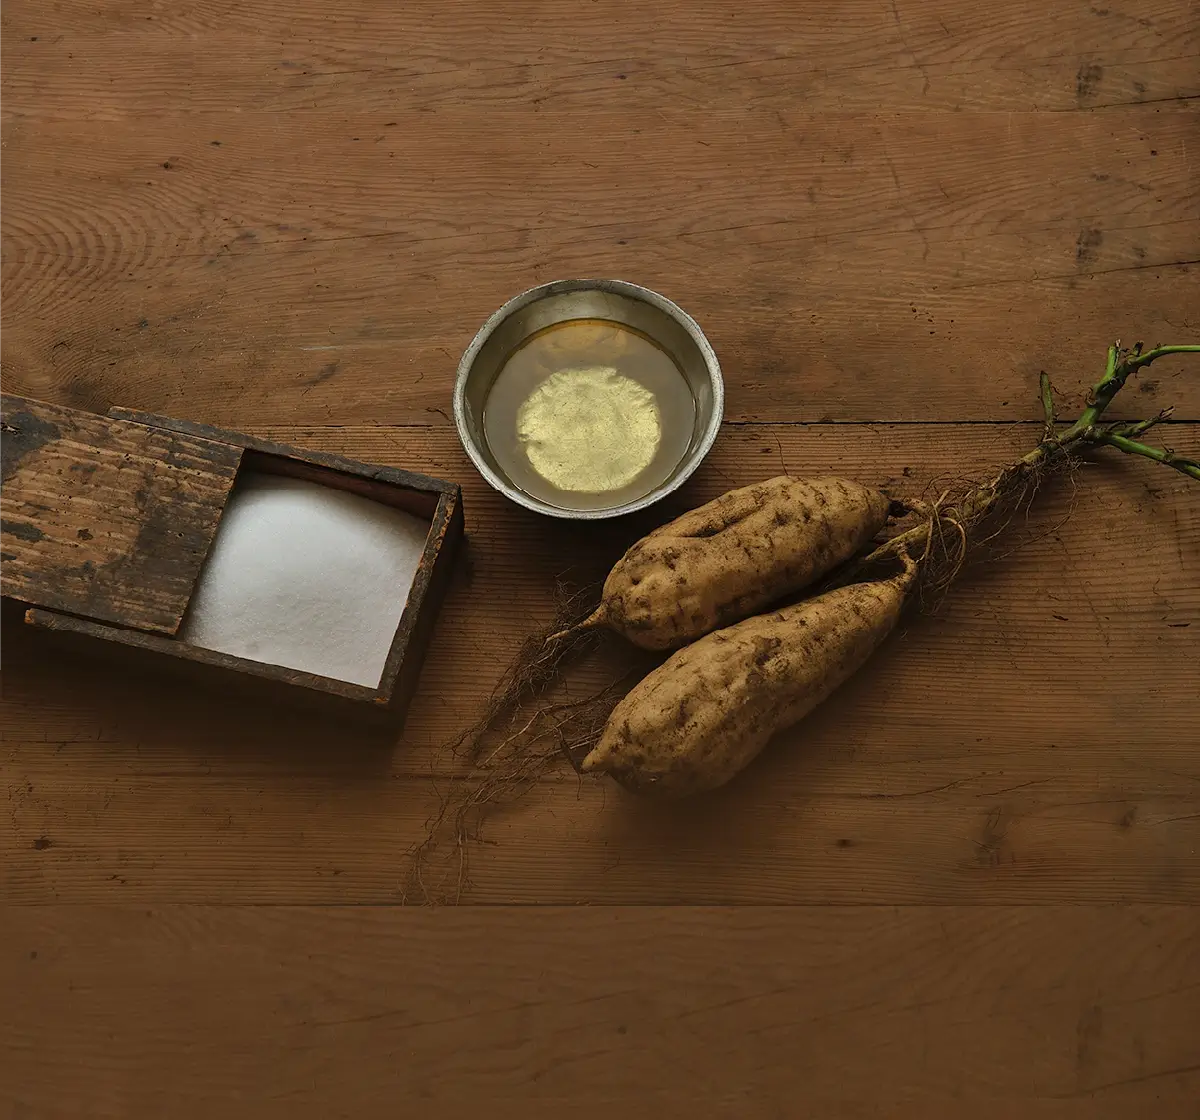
(615, 300)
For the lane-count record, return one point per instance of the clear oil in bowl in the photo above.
(589, 414)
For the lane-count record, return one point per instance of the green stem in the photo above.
(1132, 447)
(1116, 373)
(1138, 361)
(1136, 428)
(1103, 391)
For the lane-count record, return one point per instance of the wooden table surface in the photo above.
(969, 887)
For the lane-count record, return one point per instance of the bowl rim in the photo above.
(618, 287)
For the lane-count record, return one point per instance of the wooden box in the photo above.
(108, 521)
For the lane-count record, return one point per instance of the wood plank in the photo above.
(1005, 830)
(122, 62)
(986, 755)
(108, 519)
(312, 271)
(1050, 1012)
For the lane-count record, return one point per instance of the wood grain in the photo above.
(888, 216)
(984, 756)
(850, 54)
(108, 519)
(1063, 1012)
(831, 258)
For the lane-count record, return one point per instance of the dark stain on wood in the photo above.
(1087, 78)
(24, 433)
(325, 373)
(158, 494)
(22, 530)
(1086, 244)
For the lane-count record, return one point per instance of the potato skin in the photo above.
(707, 711)
(735, 555)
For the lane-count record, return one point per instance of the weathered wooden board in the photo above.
(107, 519)
(855, 1012)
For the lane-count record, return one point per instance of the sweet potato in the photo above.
(708, 710)
(734, 556)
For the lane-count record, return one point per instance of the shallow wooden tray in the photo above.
(108, 519)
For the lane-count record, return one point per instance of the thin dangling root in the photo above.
(594, 621)
(440, 864)
(536, 667)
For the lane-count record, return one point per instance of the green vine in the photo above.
(967, 508)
